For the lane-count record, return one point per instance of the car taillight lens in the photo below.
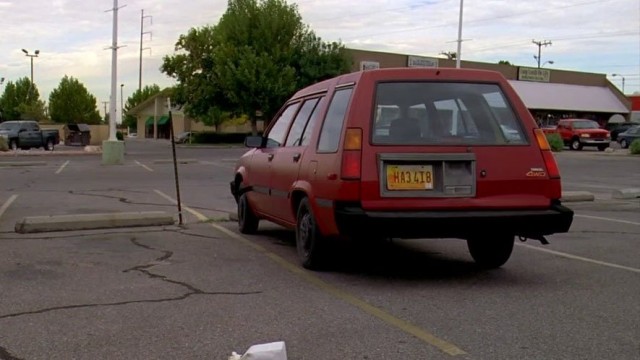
(547, 156)
(352, 154)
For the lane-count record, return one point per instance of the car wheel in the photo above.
(491, 252)
(624, 144)
(576, 145)
(602, 147)
(310, 243)
(247, 219)
(13, 145)
(49, 145)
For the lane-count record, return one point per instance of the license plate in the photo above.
(409, 177)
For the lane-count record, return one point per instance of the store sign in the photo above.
(534, 74)
(369, 65)
(421, 61)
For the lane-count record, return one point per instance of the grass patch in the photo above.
(555, 142)
(634, 148)
(3, 144)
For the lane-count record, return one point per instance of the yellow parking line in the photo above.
(7, 203)
(144, 166)
(62, 167)
(379, 313)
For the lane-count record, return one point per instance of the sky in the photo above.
(73, 36)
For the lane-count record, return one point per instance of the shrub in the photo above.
(119, 135)
(555, 142)
(634, 148)
(3, 144)
(218, 138)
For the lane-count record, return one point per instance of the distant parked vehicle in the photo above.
(183, 137)
(26, 134)
(578, 133)
(617, 128)
(626, 138)
(132, 135)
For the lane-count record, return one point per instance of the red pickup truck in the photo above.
(578, 133)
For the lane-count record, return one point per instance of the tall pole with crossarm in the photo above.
(459, 52)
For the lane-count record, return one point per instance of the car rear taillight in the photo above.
(351, 154)
(547, 156)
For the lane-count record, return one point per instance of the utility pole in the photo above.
(540, 45)
(142, 32)
(105, 103)
(459, 52)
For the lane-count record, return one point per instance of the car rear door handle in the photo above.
(270, 157)
(296, 157)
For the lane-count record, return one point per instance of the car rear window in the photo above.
(431, 113)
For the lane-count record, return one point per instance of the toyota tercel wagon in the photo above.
(403, 153)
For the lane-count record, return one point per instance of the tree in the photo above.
(136, 99)
(70, 102)
(257, 55)
(451, 55)
(504, 62)
(21, 100)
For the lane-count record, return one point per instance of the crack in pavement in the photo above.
(143, 269)
(6, 355)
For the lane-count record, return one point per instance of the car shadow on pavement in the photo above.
(396, 259)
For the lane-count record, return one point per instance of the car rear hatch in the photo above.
(453, 146)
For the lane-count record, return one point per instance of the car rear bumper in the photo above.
(352, 220)
(595, 142)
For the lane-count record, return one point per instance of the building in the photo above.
(549, 94)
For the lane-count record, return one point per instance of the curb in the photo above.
(22, 163)
(575, 196)
(632, 193)
(39, 224)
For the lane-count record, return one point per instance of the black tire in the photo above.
(247, 219)
(13, 145)
(576, 144)
(624, 144)
(310, 243)
(49, 145)
(602, 147)
(491, 252)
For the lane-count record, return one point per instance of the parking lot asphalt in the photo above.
(201, 290)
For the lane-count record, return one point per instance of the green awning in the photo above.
(164, 120)
(149, 121)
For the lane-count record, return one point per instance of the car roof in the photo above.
(402, 74)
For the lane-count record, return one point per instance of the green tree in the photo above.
(504, 62)
(21, 100)
(136, 99)
(70, 102)
(257, 55)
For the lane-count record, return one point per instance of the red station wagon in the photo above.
(403, 153)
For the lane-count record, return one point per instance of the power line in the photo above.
(540, 45)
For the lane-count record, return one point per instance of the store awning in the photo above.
(580, 98)
(163, 120)
(149, 121)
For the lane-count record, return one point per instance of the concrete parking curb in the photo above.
(21, 163)
(633, 193)
(39, 224)
(575, 196)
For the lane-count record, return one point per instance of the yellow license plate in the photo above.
(409, 177)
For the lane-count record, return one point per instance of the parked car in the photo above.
(444, 169)
(626, 138)
(183, 137)
(617, 128)
(578, 133)
(132, 135)
(26, 134)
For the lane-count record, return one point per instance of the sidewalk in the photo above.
(57, 151)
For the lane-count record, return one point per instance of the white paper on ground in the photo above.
(271, 351)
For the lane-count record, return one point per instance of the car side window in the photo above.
(278, 131)
(311, 125)
(295, 134)
(333, 122)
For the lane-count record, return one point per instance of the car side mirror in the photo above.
(254, 141)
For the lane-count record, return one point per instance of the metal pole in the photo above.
(114, 74)
(175, 162)
(459, 52)
(539, 54)
(141, 35)
(31, 70)
(121, 104)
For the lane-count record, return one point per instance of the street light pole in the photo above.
(35, 54)
(121, 105)
(459, 52)
(614, 75)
